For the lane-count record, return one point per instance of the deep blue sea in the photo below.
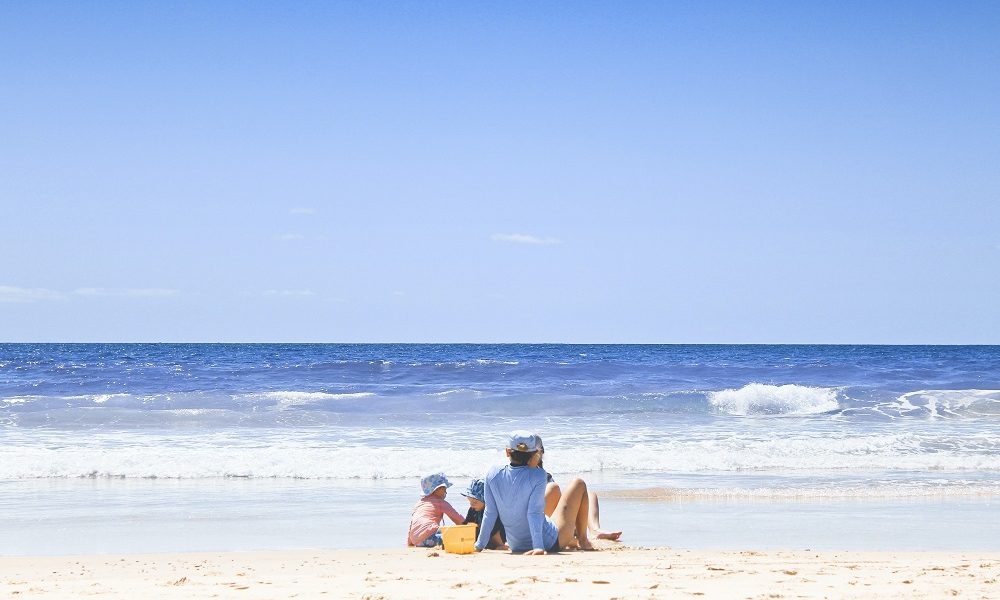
(129, 425)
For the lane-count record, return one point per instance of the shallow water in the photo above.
(126, 516)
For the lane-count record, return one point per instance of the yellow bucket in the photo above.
(459, 539)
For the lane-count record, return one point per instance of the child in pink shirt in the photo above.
(425, 522)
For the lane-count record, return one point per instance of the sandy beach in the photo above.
(613, 572)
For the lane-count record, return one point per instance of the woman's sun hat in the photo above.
(434, 481)
(523, 441)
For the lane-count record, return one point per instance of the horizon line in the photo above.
(371, 343)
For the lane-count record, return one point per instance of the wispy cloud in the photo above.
(289, 293)
(302, 210)
(521, 238)
(93, 292)
(12, 294)
(289, 237)
(19, 294)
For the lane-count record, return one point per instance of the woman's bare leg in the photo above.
(552, 496)
(572, 514)
(595, 521)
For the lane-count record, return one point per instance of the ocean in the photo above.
(166, 447)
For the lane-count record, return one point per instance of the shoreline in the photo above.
(614, 571)
(127, 517)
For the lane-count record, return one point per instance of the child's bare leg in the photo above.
(572, 514)
(552, 495)
(595, 521)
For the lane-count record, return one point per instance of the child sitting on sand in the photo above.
(425, 522)
(477, 505)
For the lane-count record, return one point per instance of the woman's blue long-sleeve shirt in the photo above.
(517, 496)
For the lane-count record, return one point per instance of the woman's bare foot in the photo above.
(608, 535)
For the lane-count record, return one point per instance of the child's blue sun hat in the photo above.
(434, 481)
(477, 490)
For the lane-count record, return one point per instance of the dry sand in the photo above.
(614, 572)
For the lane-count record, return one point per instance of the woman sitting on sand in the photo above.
(516, 494)
(553, 493)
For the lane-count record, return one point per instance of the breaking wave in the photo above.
(763, 399)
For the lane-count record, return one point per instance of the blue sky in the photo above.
(676, 172)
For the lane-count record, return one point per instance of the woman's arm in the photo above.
(489, 517)
(536, 514)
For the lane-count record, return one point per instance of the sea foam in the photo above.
(764, 399)
(398, 453)
(950, 403)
